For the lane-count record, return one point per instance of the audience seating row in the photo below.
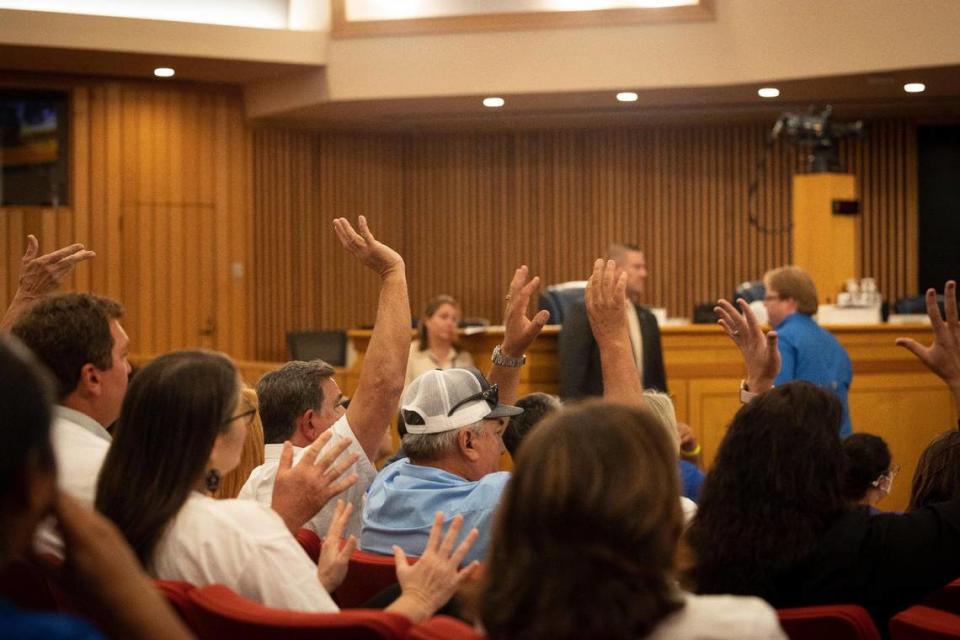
(215, 611)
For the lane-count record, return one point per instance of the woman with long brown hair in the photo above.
(586, 535)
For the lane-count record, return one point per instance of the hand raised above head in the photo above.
(759, 350)
(302, 490)
(606, 301)
(374, 255)
(519, 330)
(942, 357)
(42, 274)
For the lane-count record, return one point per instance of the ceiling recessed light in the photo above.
(163, 72)
(627, 96)
(493, 103)
(768, 92)
(914, 87)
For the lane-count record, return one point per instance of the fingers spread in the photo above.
(950, 303)
(434, 539)
(452, 532)
(912, 346)
(313, 451)
(464, 547)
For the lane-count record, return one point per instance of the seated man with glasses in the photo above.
(807, 350)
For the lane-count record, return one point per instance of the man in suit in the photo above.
(580, 373)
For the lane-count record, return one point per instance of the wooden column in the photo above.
(824, 243)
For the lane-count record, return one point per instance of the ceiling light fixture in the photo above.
(163, 72)
(914, 87)
(493, 102)
(768, 92)
(627, 96)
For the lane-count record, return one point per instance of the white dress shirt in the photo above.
(259, 486)
(245, 546)
(80, 445)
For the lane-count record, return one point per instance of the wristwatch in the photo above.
(745, 394)
(501, 360)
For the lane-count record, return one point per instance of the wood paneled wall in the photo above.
(466, 209)
(161, 191)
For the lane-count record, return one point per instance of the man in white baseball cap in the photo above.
(455, 423)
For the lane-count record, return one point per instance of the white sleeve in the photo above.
(279, 574)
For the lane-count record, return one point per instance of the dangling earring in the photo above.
(213, 480)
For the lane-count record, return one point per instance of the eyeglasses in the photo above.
(770, 297)
(246, 414)
(490, 395)
(889, 473)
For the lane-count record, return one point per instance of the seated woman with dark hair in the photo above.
(585, 539)
(182, 426)
(937, 478)
(772, 521)
(868, 474)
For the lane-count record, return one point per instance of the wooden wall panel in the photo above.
(161, 191)
(466, 209)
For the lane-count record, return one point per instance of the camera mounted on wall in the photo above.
(816, 131)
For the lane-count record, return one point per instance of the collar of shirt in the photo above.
(273, 451)
(794, 318)
(83, 420)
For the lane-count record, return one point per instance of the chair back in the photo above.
(444, 628)
(924, 623)
(221, 613)
(367, 575)
(839, 622)
(310, 542)
(946, 598)
(556, 298)
(177, 594)
(329, 346)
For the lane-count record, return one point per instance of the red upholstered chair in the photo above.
(367, 575)
(946, 599)
(444, 628)
(839, 622)
(221, 613)
(924, 623)
(178, 595)
(310, 542)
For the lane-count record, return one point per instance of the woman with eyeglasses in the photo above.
(772, 520)
(868, 474)
(182, 426)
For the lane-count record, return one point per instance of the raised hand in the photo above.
(374, 255)
(759, 350)
(606, 302)
(300, 491)
(335, 553)
(943, 356)
(432, 580)
(41, 275)
(519, 330)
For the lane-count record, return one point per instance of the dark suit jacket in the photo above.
(580, 373)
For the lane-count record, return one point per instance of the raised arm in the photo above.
(759, 351)
(40, 276)
(943, 356)
(385, 365)
(519, 332)
(606, 302)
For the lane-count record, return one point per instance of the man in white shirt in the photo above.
(78, 336)
(301, 400)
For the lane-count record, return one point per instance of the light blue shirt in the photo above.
(404, 497)
(810, 352)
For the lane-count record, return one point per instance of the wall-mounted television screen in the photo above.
(34, 149)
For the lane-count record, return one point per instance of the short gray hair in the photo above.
(286, 393)
(433, 446)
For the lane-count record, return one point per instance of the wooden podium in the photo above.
(825, 243)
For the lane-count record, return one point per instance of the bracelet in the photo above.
(691, 454)
(501, 360)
